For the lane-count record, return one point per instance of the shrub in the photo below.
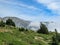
(54, 41)
(10, 43)
(57, 35)
(21, 29)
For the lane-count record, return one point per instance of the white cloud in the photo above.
(20, 4)
(7, 11)
(54, 6)
(41, 17)
(50, 4)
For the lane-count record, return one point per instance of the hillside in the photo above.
(12, 36)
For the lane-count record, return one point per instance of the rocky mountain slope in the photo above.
(33, 25)
(19, 22)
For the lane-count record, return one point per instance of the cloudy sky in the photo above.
(33, 10)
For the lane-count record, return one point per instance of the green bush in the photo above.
(54, 41)
(57, 35)
(10, 44)
(21, 29)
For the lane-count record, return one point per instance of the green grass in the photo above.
(15, 37)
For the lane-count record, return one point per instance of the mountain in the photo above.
(19, 22)
(33, 25)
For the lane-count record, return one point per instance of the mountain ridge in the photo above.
(32, 25)
(19, 22)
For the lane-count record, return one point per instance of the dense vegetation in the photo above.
(11, 35)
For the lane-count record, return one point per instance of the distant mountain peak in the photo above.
(19, 22)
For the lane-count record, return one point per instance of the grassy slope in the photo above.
(13, 36)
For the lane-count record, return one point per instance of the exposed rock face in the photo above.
(19, 22)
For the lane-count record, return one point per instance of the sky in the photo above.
(33, 10)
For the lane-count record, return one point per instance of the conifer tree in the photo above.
(2, 24)
(10, 22)
(43, 29)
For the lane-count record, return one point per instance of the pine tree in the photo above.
(10, 22)
(56, 32)
(43, 29)
(2, 24)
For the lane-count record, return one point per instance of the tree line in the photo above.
(8, 22)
